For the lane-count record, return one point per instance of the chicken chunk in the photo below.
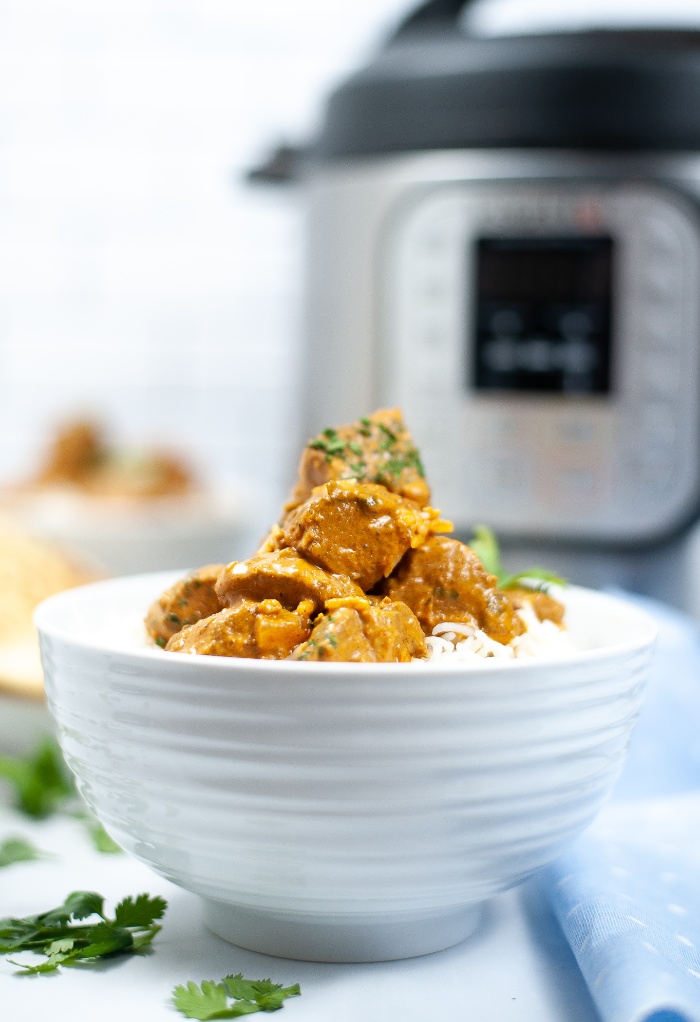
(546, 607)
(444, 580)
(357, 630)
(285, 576)
(376, 449)
(263, 630)
(189, 600)
(361, 530)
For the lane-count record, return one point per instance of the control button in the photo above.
(660, 370)
(661, 279)
(587, 214)
(432, 242)
(662, 237)
(433, 289)
(659, 327)
(433, 335)
(572, 486)
(578, 434)
(652, 476)
(496, 431)
(578, 481)
(578, 431)
(498, 476)
(657, 428)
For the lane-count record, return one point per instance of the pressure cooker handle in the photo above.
(435, 13)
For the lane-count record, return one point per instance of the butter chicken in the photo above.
(357, 570)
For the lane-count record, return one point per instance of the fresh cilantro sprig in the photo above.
(485, 546)
(62, 936)
(232, 997)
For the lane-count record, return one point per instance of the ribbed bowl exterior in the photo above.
(342, 788)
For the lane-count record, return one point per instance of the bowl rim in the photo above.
(644, 620)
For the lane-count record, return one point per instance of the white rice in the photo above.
(463, 642)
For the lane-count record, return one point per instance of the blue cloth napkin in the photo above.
(627, 893)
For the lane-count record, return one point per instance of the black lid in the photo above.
(435, 87)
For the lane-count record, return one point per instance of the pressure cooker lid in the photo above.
(433, 86)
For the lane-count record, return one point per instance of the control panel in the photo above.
(543, 342)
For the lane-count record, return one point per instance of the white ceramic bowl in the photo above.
(339, 812)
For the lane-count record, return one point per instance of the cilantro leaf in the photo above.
(103, 940)
(41, 783)
(541, 577)
(485, 546)
(16, 849)
(208, 1001)
(211, 1000)
(101, 840)
(270, 996)
(140, 911)
(63, 938)
(78, 905)
(50, 965)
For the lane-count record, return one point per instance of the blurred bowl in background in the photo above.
(124, 536)
(130, 510)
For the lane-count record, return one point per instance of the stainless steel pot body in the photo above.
(372, 289)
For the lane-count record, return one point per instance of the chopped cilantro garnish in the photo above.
(413, 461)
(332, 446)
(389, 438)
(397, 461)
(232, 997)
(394, 467)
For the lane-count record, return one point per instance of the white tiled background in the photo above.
(139, 276)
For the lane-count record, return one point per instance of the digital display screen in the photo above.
(543, 315)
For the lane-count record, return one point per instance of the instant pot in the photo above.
(504, 241)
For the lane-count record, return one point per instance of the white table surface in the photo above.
(517, 967)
